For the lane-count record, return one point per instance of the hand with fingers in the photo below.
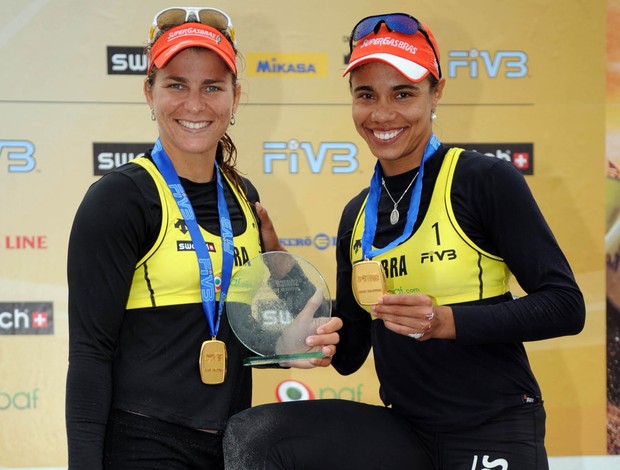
(416, 316)
(309, 333)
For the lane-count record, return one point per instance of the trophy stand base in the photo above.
(275, 359)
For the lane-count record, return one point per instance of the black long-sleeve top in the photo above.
(442, 384)
(116, 224)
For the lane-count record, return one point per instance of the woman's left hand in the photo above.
(415, 315)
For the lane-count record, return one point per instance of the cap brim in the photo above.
(411, 70)
(188, 35)
(162, 59)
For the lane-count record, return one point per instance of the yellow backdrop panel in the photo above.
(519, 71)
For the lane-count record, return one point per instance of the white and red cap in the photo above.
(187, 35)
(410, 54)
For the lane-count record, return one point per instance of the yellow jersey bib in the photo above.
(439, 259)
(168, 274)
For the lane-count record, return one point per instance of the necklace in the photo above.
(394, 216)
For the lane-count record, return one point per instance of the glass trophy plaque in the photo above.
(274, 302)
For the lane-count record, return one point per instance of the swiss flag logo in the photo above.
(521, 160)
(39, 319)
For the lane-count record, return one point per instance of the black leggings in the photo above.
(342, 435)
(135, 442)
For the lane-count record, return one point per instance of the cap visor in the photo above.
(412, 71)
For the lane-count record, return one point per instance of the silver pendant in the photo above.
(394, 216)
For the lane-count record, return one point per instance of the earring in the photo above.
(433, 116)
(153, 118)
(232, 119)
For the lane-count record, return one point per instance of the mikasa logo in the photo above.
(310, 64)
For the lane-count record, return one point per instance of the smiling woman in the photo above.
(151, 255)
(392, 114)
(193, 100)
(424, 258)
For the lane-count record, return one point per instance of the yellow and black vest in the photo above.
(439, 259)
(168, 274)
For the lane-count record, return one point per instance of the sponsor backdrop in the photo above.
(526, 83)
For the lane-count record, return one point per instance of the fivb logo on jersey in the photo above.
(26, 318)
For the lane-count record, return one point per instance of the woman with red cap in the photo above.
(154, 369)
(424, 258)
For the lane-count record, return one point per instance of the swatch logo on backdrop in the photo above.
(110, 155)
(521, 155)
(26, 318)
(126, 60)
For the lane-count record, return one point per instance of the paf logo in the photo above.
(293, 390)
(20, 400)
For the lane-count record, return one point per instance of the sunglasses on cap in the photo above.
(399, 22)
(175, 16)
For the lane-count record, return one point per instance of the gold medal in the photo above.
(368, 282)
(212, 362)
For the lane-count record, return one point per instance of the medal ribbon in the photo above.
(207, 279)
(372, 205)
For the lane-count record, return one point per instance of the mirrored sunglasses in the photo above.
(399, 22)
(175, 16)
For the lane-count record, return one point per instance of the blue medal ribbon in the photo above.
(372, 205)
(207, 278)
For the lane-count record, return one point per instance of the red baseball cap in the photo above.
(410, 54)
(187, 35)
